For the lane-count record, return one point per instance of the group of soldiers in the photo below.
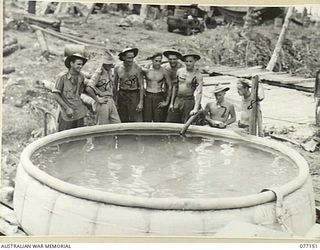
(154, 93)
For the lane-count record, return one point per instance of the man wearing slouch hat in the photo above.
(155, 99)
(101, 88)
(67, 90)
(129, 85)
(187, 93)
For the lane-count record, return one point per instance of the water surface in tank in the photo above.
(163, 166)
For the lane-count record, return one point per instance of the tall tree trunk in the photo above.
(277, 49)
(90, 12)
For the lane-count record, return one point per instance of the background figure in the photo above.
(187, 93)
(129, 83)
(155, 100)
(101, 88)
(67, 90)
(243, 88)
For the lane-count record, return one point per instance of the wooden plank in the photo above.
(8, 222)
(290, 86)
(280, 79)
(67, 38)
(215, 80)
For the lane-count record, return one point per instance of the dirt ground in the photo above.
(24, 97)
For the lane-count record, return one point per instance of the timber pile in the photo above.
(44, 22)
(280, 79)
(26, 19)
(71, 38)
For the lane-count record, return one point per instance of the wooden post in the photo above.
(32, 7)
(90, 11)
(144, 11)
(43, 44)
(317, 98)
(253, 121)
(277, 49)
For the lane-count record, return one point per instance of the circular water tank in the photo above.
(45, 205)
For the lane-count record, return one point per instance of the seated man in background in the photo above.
(221, 113)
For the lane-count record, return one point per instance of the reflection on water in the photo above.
(165, 166)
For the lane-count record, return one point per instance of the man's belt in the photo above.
(188, 97)
(129, 90)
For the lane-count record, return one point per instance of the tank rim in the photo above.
(164, 203)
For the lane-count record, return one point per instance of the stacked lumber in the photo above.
(44, 22)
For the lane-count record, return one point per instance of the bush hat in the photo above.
(167, 53)
(220, 88)
(126, 50)
(72, 57)
(194, 55)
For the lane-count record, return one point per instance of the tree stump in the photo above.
(43, 44)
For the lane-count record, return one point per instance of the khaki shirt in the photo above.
(70, 88)
(102, 82)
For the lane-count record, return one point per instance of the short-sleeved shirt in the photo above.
(129, 80)
(102, 82)
(70, 88)
(188, 81)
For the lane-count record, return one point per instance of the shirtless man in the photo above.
(243, 88)
(129, 85)
(187, 93)
(220, 113)
(156, 100)
(172, 67)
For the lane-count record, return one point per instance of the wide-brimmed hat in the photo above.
(154, 55)
(244, 82)
(72, 57)
(194, 55)
(220, 88)
(167, 53)
(108, 59)
(126, 50)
